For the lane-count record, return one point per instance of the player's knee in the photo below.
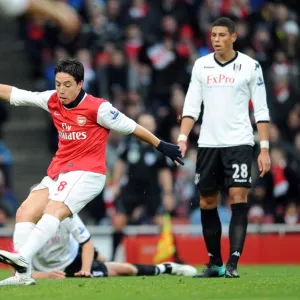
(208, 200)
(58, 209)
(234, 199)
(238, 195)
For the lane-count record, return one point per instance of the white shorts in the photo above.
(75, 189)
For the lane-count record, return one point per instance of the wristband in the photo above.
(264, 144)
(182, 138)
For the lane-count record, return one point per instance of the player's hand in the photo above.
(171, 151)
(83, 273)
(56, 274)
(264, 162)
(182, 146)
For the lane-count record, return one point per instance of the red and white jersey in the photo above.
(82, 130)
(60, 251)
(225, 91)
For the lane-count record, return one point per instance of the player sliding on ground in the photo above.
(76, 174)
(71, 253)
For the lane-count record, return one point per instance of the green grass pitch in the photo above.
(256, 282)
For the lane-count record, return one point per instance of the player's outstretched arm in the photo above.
(167, 149)
(145, 135)
(55, 274)
(5, 92)
(110, 117)
(19, 97)
(87, 260)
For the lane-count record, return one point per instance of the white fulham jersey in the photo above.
(225, 91)
(60, 251)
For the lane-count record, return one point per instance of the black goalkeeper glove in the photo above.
(171, 151)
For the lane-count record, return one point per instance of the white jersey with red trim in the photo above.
(82, 130)
(225, 91)
(60, 251)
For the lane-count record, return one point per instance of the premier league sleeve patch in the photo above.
(114, 114)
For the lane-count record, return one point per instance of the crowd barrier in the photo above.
(265, 244)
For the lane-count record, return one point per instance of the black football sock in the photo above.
(147, 270)
(117, 239)
(212, 231)
(237, 231)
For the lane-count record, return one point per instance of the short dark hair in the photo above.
(225, 22)
(71, 66)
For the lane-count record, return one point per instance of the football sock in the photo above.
(162, 268)
(117, 239)
(212, 231)
(147, 270)
(237, 231)
(44, 230)
(21, 233)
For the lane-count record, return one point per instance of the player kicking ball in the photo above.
(71, 253)
(77, 173)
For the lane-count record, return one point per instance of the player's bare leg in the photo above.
(126, 269)
(237, 228)
(212, 232)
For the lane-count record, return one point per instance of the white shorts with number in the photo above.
(75, 189)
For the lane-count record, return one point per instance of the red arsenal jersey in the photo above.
(82, 130)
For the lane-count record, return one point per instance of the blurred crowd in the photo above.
(139, 54)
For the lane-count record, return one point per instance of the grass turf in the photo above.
(256, 282)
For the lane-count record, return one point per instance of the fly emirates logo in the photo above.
(67, 134)
(219, 80)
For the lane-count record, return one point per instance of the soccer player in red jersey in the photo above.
(76, 174)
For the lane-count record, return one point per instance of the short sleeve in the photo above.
(109, 117)
(79, 230)
(258, 94)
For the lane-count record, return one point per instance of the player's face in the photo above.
(222, 40)
(67, 88)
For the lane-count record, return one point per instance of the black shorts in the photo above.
(99, 269)
(128, 201)
(219, 168)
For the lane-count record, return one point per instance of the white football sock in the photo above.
(162, 268)
(21, 234)
(44, 230)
